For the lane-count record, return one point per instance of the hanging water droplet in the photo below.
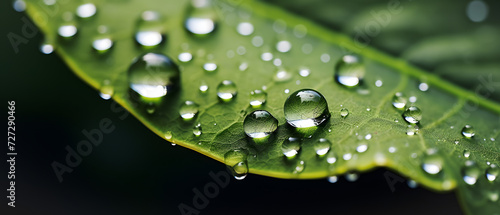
(259, 124)
(412, 99)
(153, 75)
(468, 131)
(226, 90)
(301, 165)
(202, 18)
(351, 177)
(362, 148)
(306, 108)
(492, 172)
(412, 184)
(19, 5)
(411, 130)
(168, 135)
(188, 110)
(333, 179)
(173, 144)
(236, 161)
(432, 163)
(197, 131)
(86, 10)
(466, 153)
(344, 112)
(210, 67)
(470, 172)
(322, 146)
(245, 28)
(291, 147)
(150, 30)
(399, 101)
(412, 115)
(282, 75)
(423, 87)
(283, 46)
(287, 91)
(106, 90)
(185, 57)
(350, 71)
(257, 98)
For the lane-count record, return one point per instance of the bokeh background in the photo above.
(134, 171)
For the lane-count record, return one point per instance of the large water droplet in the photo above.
(188, 110)
(150, 30)
(468, 131)
(226, 90)
(412, 115)
(259, 124)
(257, 98)
(322, 146)
(432, 163)
(291, 147)
(153, 75)
(306, 108)
(492, 172)
(470, 172)
(236, 160)
(86, 10)
(350, 71)
(202, 18)
(399, 101)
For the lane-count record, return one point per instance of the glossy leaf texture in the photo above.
(236, 57)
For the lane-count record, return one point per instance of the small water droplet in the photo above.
(322, 146)
(411, 130)
(241, 50)
(282, 75)
(412, 184)
(492, 172)
(201, 18)
(333, 179)
(260, 124)
(378, 83)
(325, 58)
(277, 62)
(203, 87)
(301, 165)
(423, 87)
(466, 153)
(470, 172)
(279, 26)
(185, 57)
(197, 131)
(102, 43)
(362, 148)
(392, 149)
(432, 163)
(266, 56)
(306, 108)
(351, 177)
(412, 115)
(399, 101)
(236, 161)
(287, 91)
(283, 46)
(347, 156)
(86, 10)
(257, 98)
(150, 30)
(106, 90)
(67, 30)
(210, 67)
(245, 28)
(257, 41)
(291, 147)
(307, 48)
(243, 66)
(46, 48)
(188, 110)
(153, 75)
(304, 72)
(344, 112)
(226, 90)
(412, 99)
(468, 131)
(168, 135)
(19, 5)
(349, 71)
(331, 157)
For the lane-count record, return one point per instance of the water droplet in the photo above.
(102, 43)
(257, 98)
(277, 62)
(241, 50)
(368, 136)
(477, 11)
(226, 90)
(19, 5)
(150, 29)
(49, 2)
(399, 101)
(412, 115)
(423, 87)
(266, 56)
(245, 28)
(259, 124)
(351, 177)
(470, 172)
(236, 160)
(411, 130)
(67, 30)
(492, 172)
(185, 57)
(86, 10)
(347, 156)
(201, 19)
(301, 165)
(153, 75)
(333, 179)
(412, 99)
(306, 108)
(322, 146)
(350, 71)
(106, 90)
(392, 149)
(257, 41)
(300, 31)
(378, 83)
(197, 131)
(210, 67)
(466, 153)
(331, 157)
(304, 72)
(188, 110)
(173, 144)
(291, 147)
(283, 46)
(412, 184)
(287, 91)
(432, 163)
(168, 135)
(243, 66)
(46, 48)
(362, 148)
(203, 87)
(468, 131)
(282, 75)
(325, 58)
(344, 112)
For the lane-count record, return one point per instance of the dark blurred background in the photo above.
(134, 171)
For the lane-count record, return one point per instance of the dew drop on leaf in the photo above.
(201, 18)
(197, 131)
(226, 90)
(333, 179)
(291, 147)
(399, 101)
(412, 115)
(86, 10)
(322, 146)
(304, 72)
(210, 66)
(344, 112)
(411, 130)
(466, 153)
(185, 57)
(492, 172)
(351, 176)
(257, 98)
(283, 46)
(67, 30)
(306, 108)
(362, 148)
(188, 110)
(260, 124)
(150, 30)
(236, 161)
(106, 91)
(468, 131)
(245, 28)
(349, 71)
(153, 75)
(282, 75)
(46, 48)
(299, 168)
(432, 163)
(470, 172)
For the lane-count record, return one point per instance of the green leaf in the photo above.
(372, 119)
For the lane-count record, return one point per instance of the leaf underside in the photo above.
(446, 108)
